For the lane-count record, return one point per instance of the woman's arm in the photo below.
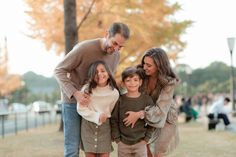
(156, 115)
(132, 117)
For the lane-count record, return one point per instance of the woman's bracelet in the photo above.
(141, 114)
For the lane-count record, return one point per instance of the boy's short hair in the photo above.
(131, 71)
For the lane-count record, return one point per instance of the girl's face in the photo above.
(101, 76)
(149, 66)
(133, 83)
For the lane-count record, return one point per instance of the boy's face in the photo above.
(132, 83)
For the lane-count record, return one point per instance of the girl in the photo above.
(95, 125)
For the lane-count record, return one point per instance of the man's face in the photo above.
(114, 44)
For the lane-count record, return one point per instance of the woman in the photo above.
(160, 82)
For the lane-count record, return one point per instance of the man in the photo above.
(218, 111)
(71, 74)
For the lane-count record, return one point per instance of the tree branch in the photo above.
(86, 15)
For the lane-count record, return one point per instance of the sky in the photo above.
(24, 53)
(206, 39)
(213, 22)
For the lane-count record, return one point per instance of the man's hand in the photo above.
(82, 98)
(103, 117)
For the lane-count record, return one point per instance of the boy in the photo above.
(131, 140)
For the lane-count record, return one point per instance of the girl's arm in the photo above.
(88, 114)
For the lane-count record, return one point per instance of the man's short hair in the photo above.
(120, 28)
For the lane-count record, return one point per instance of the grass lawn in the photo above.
(46, 141)
(197, 141)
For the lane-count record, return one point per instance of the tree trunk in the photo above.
(70, 30)
(70, 25)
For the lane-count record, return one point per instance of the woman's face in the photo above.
(149, 66)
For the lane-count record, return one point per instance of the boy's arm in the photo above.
(115, 131)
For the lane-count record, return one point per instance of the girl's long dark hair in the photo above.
(92, 72)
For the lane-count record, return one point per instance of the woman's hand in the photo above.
(131, 118)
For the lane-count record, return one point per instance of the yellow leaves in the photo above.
(173, 56)
(46, 22)
(150, 21)
(9, 83)
(145, 18)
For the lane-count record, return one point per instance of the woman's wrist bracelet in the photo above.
(141, 114)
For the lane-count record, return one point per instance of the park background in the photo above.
(194, 34)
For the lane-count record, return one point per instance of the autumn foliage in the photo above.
(151, 22)
(8, 82)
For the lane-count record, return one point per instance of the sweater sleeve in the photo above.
(115, 131)
(150, 129)
(156, 115)
(65, 67)
(88, 114)
(149, 132)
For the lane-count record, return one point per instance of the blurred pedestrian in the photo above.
(217, 111)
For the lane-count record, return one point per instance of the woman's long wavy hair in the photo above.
(92, 72)
(161, 61)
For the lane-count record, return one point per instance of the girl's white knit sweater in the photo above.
(103, 100)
